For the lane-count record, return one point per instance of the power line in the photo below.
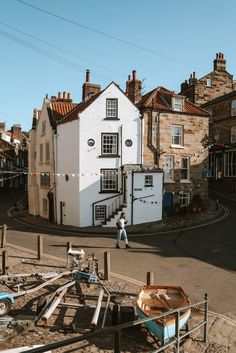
(47, 53)
(59, 48)
(110, 36)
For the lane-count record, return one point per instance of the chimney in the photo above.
(184, 85)
(16, 131)
(133, 88)
(2, 126)
(89, 89)
(219, 63)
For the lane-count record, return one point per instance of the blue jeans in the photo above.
(120, 233)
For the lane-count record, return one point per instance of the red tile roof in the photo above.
(161, 99)
(73, 114)
(60, 109)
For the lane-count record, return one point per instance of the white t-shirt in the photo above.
(122, 222)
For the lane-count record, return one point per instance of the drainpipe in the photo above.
(132, 199)
(54, 153)
(141, 140)
(121, 157)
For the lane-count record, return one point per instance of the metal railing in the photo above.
(115, 205)
(99, 201)
(116, 330)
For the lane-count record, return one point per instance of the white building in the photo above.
(97, 149)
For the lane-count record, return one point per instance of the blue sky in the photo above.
(186, 34)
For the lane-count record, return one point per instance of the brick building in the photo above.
(217, 83)
(175, 131)
(223, 139)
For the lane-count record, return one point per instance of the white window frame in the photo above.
(184, 199)
(233, 107)
(233, 134)
(100, 213)
(45, 205)
(184, 169)
(175, 136)
(109, 180)
(110, 144)
(209, 82)
(148, 180)
(45, 180)
(178, 104)
(168, 169)
(112, 108)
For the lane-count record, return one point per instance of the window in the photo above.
(230, 164)
(41, 153)
(168, 168)
(112, 109)
(45, 205)
(148, 180)
(233, 134)
(184, 199)
(184, 172)
(43, 127)
(209, 82)
(178, 104)
(100, 213)
(177, 135)
(47, 152)
(233, 107)
(110, 144)
(154, 128)
(45, 180)
(109, 180)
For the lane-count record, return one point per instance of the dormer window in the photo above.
(233, 107)
(209, 82)
(178, 104)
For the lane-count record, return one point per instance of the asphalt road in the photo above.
(201, 259)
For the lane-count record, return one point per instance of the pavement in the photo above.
(176, 222)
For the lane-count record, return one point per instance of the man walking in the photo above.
(121, 231)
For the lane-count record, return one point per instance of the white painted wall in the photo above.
(74, 152)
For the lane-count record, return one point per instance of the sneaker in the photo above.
(127, 246)
(117, 246)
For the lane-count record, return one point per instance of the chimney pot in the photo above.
(46, 96)
(59, 94)
(68, 95)
(129, 77)
(64, 95)
(87, 76)
(134, 75)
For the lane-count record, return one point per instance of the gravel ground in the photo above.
(69, 322)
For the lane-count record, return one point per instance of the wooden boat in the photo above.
(154, 300)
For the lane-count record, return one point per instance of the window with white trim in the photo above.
(109, 144)
(45, 180)
(168, 168)
(109, 180)
(45, 205)
(112, 108)
(178, 104)
(148, 180)
(233, 107)
(209, 82)
(230, 164)
(177, 135)
(184, 199)
(233, 134)
(41, 153)
(47, 152)
(184, 171)
(100, 213)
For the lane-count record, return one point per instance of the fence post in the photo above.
(4, 262)
(4, 235)
(68, 247)
(177, 330)
(150, 278)
(117, 341)
(107, 266)
(40, 247)
(205, 318)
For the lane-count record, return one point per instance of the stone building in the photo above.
(217, 83)
(223, 140)
(174, 137)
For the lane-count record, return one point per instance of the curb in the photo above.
(223, 214)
